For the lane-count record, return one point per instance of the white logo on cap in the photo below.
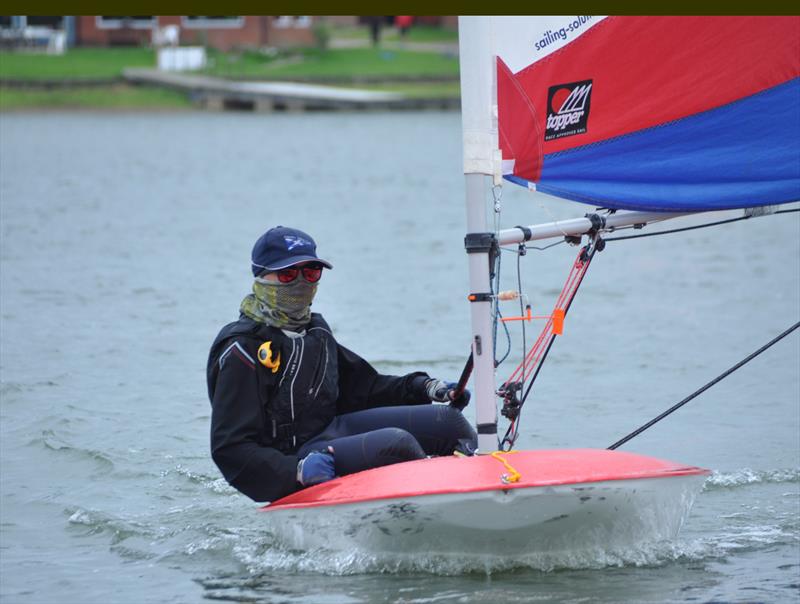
(293, 241)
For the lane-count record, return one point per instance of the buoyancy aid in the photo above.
(299, 400)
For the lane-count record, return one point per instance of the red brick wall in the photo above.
(255, 32)
(342, 20)
(450, 22)
(446, 21)
(252, 34)
(88, 34)
(283, 37)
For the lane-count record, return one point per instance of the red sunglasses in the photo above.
(311, 273)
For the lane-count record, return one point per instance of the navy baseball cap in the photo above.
(282, 247)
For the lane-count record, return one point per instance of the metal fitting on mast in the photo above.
(483, 243)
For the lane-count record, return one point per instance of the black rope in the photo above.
(533, 247)
(497, 316)
(547, 247)
(495, 288)
(720, 377)
(510, 436)
(522, 310)
(691, 228)
(498, 362)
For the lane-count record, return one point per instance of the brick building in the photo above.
(222, 32)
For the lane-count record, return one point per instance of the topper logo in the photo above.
(568, 109)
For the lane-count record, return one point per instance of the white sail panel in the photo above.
(522, 41)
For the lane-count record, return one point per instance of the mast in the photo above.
(481, 159)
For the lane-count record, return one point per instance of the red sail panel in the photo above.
(644, 72)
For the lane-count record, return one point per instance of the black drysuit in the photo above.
(264, 421)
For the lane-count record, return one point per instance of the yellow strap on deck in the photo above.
(513, 475)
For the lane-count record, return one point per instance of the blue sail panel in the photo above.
(744, 154)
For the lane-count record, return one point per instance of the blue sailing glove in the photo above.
(443, 392)
(316, 467)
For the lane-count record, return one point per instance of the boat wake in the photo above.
(747, 530)
(340, 563)
(225, 531)
(746, 476)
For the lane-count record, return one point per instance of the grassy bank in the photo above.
(117, 96)
(78, 63)
(395, 70)
(310, 63)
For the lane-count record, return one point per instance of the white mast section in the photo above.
(481, 159)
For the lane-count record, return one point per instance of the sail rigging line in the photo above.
(497, 315)
(564, 300)
(498, 362)
(533, 247)
(699, 391)
(511, 434)
(541, 348)
(520, 253)
(589, 255)
(494, 280)
(692, 228)
(547, 247)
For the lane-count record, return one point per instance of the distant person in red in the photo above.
(403, 24)
(291, 407)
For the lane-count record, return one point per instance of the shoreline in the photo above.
(128, 96)
(96, 109)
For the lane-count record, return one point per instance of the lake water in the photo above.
(125, 242)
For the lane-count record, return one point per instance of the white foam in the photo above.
(264, 554)
(746, 476)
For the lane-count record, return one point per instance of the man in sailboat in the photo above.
(291, 407)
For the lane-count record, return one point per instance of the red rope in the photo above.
(532, 359)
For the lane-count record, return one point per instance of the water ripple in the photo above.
(53, 442)
(215, 484)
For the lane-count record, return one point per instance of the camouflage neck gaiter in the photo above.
(282, 305)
